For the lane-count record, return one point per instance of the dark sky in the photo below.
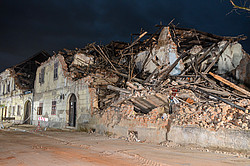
(28, 26)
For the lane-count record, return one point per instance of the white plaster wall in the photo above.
(164, 53)
(230, 58)
(14, 98)
(59, 90)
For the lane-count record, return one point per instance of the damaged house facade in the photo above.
(176, 84)
(65, 102)
(16, 89)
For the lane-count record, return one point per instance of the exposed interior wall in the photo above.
(242, 72)
(230, 58)
(164, 53)
(235, 62)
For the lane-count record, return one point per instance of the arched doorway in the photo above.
(72, 110)
(27, 111)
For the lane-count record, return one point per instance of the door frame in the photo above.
(27, 106)
(72, 107)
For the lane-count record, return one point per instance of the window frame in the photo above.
(14, 86)
(13, 110)
(8, 87)
(55, 71)
(4, 88)
(41, 75)
(53, 108)
(40, 109)
(18, 110)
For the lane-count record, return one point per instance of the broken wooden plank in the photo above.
(107, 58)
(143, 34)
(140, 108)
(162, 98)
(141, 105)
(212, 83)
(151, 75)
(135, 86)
(118, 102)
(145, 102)
(215, 91)
(203, 55)
(125, 75)
(232, 85)
(224, 100)
(153, 100)
(118, 89)
(185, 102)
(200, 59)
(170, 68)
(217, 57)
(103, 56)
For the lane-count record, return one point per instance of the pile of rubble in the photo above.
(214, 117)
(174, 68)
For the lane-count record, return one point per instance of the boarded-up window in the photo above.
(13, 110)
(18, 110)
(40, 109)
(41, 75)
(53, 111)
(55, 70)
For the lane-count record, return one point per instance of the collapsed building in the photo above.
(16, 89)
(176, 84)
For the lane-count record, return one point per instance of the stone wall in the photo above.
(153, 127)
(224, 138)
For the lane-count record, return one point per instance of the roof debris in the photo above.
(25, 72)
(173, 67)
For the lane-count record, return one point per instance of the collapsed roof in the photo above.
(24, 73)
(153, 65)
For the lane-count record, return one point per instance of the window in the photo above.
(18, 110)
(13, 110)
(8, 87)
(53, 111)
(9, 111)
(41, 75)
(55, 70)
(3, 88)
(40, 109)
(5, 112)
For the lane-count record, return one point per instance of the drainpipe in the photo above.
(32, 106)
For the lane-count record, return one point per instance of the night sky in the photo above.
(28, 26)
